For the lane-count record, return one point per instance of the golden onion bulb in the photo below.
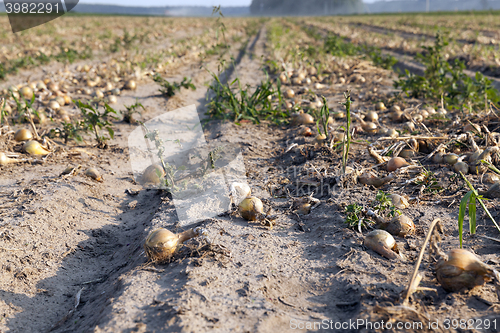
(60, 100)
(112, 99)
(380, 106)
(289, 93)
(251, 208)
(375, 181)
(23, 134)
(26, 92)
(130, 85)
(462, 270)
(461, 167)
(35, 148)
(302, 119)
(371, 116)
(150, 175)
(490, 178)
(381, 242)
(52, 86)
(161, 243)
(399, 201)
(54, 105)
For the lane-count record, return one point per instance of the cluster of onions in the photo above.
(161, 244)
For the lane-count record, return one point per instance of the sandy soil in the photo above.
(68, 238)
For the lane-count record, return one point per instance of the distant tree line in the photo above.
(305, 7)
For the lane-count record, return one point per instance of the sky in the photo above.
(161, 3)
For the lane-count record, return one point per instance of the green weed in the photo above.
(169, 89)
(95, 121)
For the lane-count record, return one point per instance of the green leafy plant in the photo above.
(442, 80)
(169, 89)
(355, 217)
(322, 122)
(239, 103)
(469, 200)
(70, 131)
(168, 179)
(383, 205)
(95, 121)
(129, 111)
(429, 181)
(3, 113)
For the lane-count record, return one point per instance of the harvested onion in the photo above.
(4, 159)
(399, 201)
(23, 135)
(251, 208)
(130, 85)
(289, 93)
(381, 242)
(375, 181)
(94, 174)
(451, 159)
(400, 225)
(371, 116)
(35, 148)
(395, 163)
(462, 270)
(380, 106)
(161, 243)
(302, 118)
(461, 167)
(150, 175)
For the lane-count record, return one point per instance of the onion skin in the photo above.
(381, 242)
(161, 243)
(395, 163)
(251, 208)
(462, 270)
